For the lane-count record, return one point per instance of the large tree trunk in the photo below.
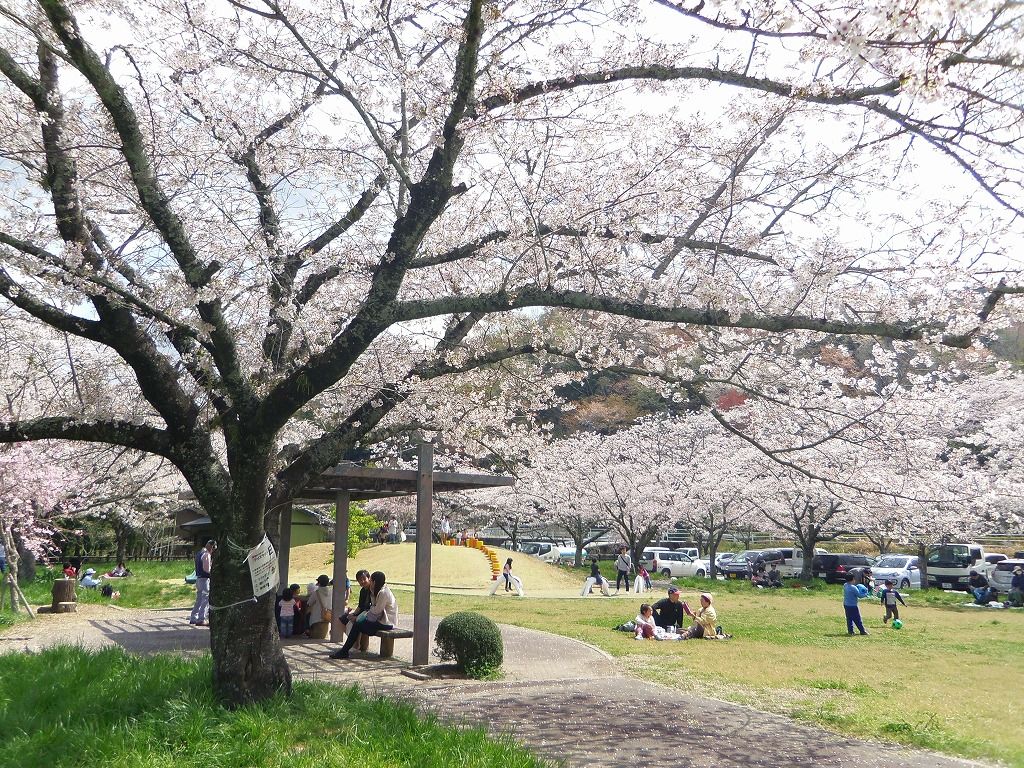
(922, 564)
(248, 663)
(807, 569)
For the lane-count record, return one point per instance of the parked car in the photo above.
(739, 566)
(678, 564)
(649, 555)
(833, 567)
(722, 559)
(1002, 574)
(551, 553)
(991, 560)
(902, 569)
(1018, 555)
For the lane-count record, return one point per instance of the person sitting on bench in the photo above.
(365, 601)
(382, 615)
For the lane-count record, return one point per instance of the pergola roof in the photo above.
(375, 483)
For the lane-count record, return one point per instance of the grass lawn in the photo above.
(154, 585)
(73, 708)
(950, 680)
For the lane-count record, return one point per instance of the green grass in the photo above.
(68, 707)
(948, 681)
(153, 585)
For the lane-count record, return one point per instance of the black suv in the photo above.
(742, 566)
(834, 567)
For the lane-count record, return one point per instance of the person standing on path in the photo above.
(623, 567)
(204, 564)
(850, 606)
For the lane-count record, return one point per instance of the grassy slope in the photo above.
(111, 709)
(948, 681)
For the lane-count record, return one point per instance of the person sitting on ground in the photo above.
(120, 572)
(1016, 596)
(986, 595)
(382, 615)
(89, 579)
(644, 621)
(669, 611)
(705, 621)
(365, 601)
(774, 575)
(69, 571)
(978, 585)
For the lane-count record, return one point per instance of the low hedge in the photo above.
(472, 641)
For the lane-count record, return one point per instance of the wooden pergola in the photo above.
(348, 482)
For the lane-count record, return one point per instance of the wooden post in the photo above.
(284, 542)
(341, 503)
(424, 526)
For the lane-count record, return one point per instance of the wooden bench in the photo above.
(387, 640)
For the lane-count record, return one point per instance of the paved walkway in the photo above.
(567, 701)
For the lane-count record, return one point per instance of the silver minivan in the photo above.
(1002, 574)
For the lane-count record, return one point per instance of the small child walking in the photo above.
(888, 597)
(850, 597)
(286, 621)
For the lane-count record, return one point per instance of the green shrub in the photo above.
(473, 641)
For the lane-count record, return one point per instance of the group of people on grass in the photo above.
(664, 619)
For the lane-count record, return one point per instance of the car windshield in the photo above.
(892, 562)
(531, 548)
(950, 556)
(747, 554)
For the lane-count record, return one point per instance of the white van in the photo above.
(792, 564)
(551, 553)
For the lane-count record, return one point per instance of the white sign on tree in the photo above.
(262, 560)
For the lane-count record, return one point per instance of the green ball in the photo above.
(897, 624)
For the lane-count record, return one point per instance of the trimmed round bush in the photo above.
(472, 641)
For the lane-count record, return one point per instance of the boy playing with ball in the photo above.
(851, 594)
(889, 596)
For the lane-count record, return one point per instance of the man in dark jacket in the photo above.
(669, 611)
(978, 585)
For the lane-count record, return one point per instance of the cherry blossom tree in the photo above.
(255, 238)
(30, 488)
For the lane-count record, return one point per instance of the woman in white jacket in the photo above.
(383, 614)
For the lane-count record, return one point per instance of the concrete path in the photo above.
(566, 701)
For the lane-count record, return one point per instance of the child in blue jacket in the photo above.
(889, 596)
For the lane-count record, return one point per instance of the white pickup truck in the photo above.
(950, 565)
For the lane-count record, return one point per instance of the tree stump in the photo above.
(64, 597)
